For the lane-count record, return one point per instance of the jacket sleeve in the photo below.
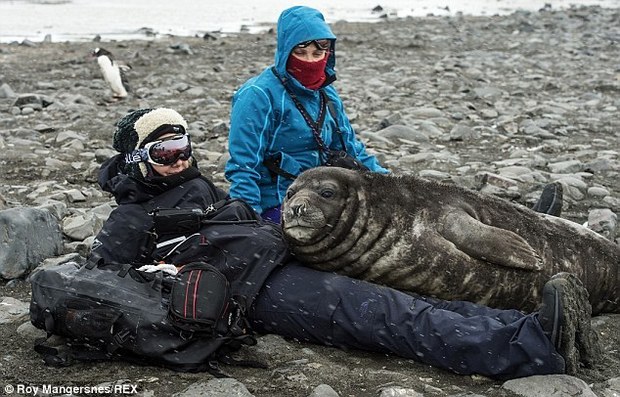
(124, 237)
(354, 145)
(251, 124)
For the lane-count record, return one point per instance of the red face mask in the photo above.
(310, 74)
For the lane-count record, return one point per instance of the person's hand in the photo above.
(163, 267)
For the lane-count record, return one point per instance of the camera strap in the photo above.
(315, 126)
(273, 163)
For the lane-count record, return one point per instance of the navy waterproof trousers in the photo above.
(463, 337)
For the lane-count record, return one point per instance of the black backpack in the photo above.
(187, 322)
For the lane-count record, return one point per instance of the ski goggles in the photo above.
(163, 152)
(322, 44)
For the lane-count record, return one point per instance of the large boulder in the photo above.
(27, 236)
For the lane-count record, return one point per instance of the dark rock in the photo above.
(27, 235)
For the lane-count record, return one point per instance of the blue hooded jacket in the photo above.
(265, 123)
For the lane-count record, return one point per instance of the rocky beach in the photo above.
(497, 104)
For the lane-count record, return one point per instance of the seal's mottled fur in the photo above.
(442, 240)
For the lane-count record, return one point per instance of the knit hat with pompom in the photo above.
(141, 127)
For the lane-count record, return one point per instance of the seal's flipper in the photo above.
(488, 243)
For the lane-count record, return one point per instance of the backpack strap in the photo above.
(55, 357)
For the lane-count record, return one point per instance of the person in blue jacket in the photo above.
(283, 120)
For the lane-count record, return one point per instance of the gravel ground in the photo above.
(525, 99)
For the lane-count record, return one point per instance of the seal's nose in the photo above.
(298, 209)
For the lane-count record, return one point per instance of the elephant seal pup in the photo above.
(442, 240)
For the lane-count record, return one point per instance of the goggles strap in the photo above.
(137, 156)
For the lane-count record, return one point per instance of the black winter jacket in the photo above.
(235, 242)
(124, 236)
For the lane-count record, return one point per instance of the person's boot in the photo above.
(550, 201)
(565, 317)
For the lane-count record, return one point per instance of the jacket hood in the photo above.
(296, 25)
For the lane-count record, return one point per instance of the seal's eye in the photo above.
(290, 193)
(327, 193)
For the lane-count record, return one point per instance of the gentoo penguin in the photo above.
(112, 72)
